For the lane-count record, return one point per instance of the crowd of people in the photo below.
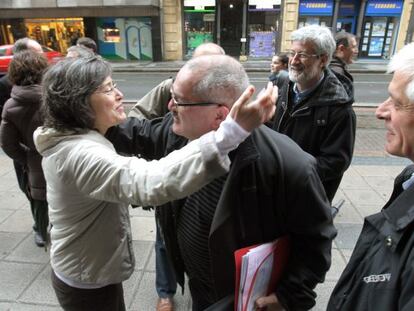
(222, 170)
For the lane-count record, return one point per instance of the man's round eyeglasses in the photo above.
(177, 103)
(301, 55)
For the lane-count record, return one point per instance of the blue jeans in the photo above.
(165, 282)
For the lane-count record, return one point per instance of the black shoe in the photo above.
(39, 241)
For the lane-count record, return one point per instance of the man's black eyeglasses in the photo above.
(177, 103)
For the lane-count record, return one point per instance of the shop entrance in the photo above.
(378, 36)
(231, 26)
(57, 34)
(345, 24)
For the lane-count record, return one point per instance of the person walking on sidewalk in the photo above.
(20, 117)
(272, 190)
(155, 105)
(89, 186)
(20, 45)
(345, 53)
(314, 108)
(380, 273)
(278, 70)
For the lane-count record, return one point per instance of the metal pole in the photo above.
(335, 17)
(244, 26)
(218, 21)
(360, 19)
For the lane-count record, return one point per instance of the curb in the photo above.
(266, 70)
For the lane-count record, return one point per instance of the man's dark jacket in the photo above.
(380, 273)
(323, 124)
(5, 90)
(272, 190)
(339, 68)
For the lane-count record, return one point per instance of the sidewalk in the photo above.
(25, 271)
(360, 66)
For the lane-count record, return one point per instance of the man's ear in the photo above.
(221, 114)
(324, 60)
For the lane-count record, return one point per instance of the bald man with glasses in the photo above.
(256, 202)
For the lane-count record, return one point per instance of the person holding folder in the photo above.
(271, 190)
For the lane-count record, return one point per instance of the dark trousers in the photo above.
(39, 208)
(202, 296)
(108, 298)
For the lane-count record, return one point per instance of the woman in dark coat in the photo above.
(20, 117)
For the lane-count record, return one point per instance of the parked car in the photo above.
(6, 55)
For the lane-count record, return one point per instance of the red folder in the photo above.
(280, 257)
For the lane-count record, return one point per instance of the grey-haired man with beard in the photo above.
(314, 108)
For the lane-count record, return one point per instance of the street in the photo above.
(369, 88)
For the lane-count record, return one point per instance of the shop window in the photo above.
(199, 19)
(111, 35)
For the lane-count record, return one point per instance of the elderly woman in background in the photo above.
(20, 118)
(89, 185)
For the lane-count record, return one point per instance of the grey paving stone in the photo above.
(348, 214)
(365, 197)
(15, 277)
(146, 296)
(337, 266)
(151, 262)
(4, 213)
(32, 307)
(347, 235)
(131, 287)
(8, 241)
(142, 250)
(40, 290)
(27, 251)
(323, 291)
(138, 211)
(143, 228)
(12, 200)
(19, 221)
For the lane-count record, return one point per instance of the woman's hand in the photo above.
(250, 115)
(269, 303)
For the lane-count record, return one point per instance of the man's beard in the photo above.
(304, 76)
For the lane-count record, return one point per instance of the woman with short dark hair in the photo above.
(90, 185)
(20, 117)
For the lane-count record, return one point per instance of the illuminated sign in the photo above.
(384, 8)
(314, 7)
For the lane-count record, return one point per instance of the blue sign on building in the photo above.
(347, 8)
(315, 7)
(384, 8)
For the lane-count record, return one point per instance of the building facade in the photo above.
(172, 29)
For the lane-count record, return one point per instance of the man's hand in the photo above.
(253, 114)
(271, 303)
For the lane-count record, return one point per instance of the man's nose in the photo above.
(382, 111)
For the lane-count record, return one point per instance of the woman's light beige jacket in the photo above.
(89, 187)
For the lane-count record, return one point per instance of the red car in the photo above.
(6, 55)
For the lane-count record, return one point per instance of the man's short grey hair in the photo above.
(21, 45)
(403, 62)
(221, 78)
(321, 37)
(67, 87)
(80, 51)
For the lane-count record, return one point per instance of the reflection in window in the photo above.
(111, 35)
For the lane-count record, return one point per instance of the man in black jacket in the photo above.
(271, 190)
(345, 53)
(380, 273)
(314, 108)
